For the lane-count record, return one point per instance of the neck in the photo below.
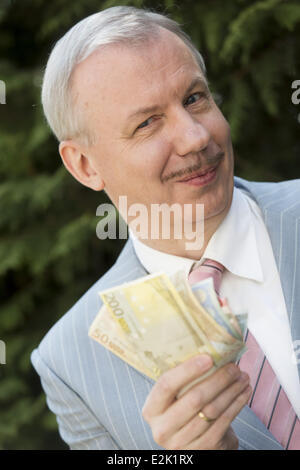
(186, 247)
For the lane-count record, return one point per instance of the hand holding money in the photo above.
(186, 340)
(176, 424)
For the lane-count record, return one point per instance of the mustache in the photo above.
(210, 161)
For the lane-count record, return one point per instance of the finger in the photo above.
(188, 433)
(217, 406)
(171, 382)
(197, 426)
(193, 401)
(214, 436)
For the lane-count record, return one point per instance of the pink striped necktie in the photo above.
(268, 400)
(209, 268)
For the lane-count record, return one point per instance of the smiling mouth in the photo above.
(199, 173)
(202, 172)
(188, 174)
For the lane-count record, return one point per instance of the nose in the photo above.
(188, 134)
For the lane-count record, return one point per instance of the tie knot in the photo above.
(210, 268)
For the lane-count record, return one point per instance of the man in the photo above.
(125, 93)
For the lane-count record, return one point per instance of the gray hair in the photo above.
(114, 25)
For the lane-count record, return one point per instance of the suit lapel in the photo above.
(129, 263)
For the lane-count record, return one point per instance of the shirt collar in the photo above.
(154, 260)
(233, 244)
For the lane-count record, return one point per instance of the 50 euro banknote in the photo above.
(155, 323)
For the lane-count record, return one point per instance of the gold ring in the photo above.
(202, 416)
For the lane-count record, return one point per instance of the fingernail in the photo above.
(232, 370)
(204, 361)
(243, 377)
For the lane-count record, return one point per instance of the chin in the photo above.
(217, 208)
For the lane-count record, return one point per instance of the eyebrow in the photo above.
(152, 109)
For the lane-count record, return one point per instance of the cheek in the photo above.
(219, 126)
(150, 158)
(134, 170)
(222, 136)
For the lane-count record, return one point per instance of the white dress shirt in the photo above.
(251, 283)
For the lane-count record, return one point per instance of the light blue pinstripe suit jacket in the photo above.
(98, 398)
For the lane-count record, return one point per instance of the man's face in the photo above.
(156, 125)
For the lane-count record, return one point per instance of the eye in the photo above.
(194, 98)
(145, 123)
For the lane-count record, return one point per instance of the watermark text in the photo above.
(2, 352)
(154, 222)
(2, 92)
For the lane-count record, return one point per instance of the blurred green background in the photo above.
(49, 252)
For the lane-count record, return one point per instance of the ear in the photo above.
(80, 165)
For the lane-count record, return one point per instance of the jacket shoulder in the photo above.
(283, 196)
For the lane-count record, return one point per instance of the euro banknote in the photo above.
(157, 322)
